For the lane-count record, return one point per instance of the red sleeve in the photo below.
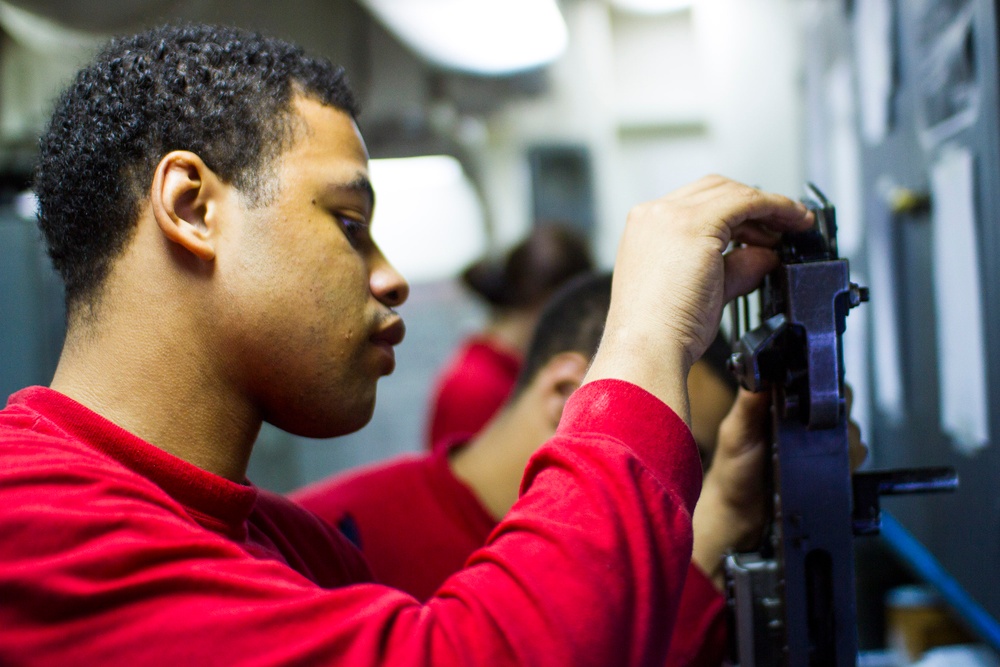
(700, 634)
(587, 570)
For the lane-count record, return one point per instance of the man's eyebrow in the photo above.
(360, 184)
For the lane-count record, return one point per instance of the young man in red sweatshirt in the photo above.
(204, 194)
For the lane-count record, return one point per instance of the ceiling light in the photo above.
(651, 7)
(486, 37)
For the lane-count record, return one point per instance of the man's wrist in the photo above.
(631, 357)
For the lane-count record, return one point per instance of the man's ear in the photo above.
(182, 200)
(560, 376)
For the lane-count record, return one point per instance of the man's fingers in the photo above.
(737, 470)
(753, 232)
(750, 404)
(776, 211)
(857, 450)
(739, 204)
(744, 268)
(745, 423)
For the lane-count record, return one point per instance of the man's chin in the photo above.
(332, 423)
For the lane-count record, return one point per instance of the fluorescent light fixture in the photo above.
(43, 35)
(651, 7)
(486, 37)
(26, 205)
(429, 220)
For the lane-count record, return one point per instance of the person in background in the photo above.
(418, 518)
(204, 194)
(479, 376)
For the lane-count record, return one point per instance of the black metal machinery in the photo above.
(792, 601)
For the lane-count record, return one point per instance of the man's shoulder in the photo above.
(26, 428)
(27, 439)
(482, 358)
(52, 468)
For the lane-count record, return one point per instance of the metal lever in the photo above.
(868, 486)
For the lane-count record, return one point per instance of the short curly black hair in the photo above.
(223, 93)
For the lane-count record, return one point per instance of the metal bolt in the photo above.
(857, 295)
(735, 362)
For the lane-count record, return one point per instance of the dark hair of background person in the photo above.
(528, 274)
(223, 93)
(572, 321)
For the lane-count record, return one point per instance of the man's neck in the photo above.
(179, 407)
(493, 462)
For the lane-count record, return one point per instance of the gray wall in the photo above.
(31, 306)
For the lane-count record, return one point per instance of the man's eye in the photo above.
(356, 231)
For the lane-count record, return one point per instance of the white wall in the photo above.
(659, 101)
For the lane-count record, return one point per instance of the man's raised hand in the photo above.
(676, 269)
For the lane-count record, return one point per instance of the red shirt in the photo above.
(471, 388)
(116, 553)
(417, 524)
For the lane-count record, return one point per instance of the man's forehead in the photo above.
(328, 144)
(321, 127)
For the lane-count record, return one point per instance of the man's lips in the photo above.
(385, 339)
(390, 334)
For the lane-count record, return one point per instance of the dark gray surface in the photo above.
(31, 306)
(961, 529)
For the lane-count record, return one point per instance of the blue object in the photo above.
(925, 566)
